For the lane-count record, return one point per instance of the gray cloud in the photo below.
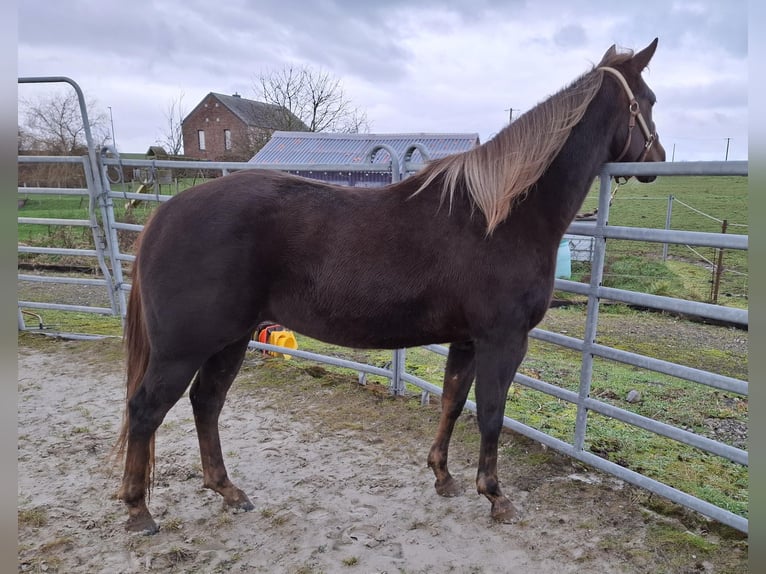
(196, 46)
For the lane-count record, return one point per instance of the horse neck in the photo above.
(561, 190)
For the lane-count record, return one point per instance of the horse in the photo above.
(462, 252)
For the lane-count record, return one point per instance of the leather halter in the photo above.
(635, 115)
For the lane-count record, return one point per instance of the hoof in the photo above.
(505, 512)
(447, 488)
(240, 503)
(142, 524)
(245, 506)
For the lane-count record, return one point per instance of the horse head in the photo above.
(629, 144)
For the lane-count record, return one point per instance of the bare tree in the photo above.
(172, 139)
(26, 141)
(315, 97)
(54, 124)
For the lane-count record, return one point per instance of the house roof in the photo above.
(334, 148)
(156, 151)
(253, 113)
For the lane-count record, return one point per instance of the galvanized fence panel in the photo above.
(93, 191)
(114, 263)
(98, 243)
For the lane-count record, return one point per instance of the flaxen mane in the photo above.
(500, 172)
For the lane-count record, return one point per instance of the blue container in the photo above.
(564, 261)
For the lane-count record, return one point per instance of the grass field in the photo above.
(687, 272)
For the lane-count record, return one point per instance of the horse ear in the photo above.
(641, 60)
(610, 53)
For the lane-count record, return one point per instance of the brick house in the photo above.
(232, 128)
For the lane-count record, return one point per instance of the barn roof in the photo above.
(343, 149)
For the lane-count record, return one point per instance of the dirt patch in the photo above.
(338, 477)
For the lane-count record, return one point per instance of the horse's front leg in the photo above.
(496, 367)
(458, 376)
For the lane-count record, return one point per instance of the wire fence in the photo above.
(705, 274)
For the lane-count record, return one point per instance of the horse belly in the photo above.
(351, 322)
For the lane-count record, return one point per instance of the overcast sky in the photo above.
(425, 66)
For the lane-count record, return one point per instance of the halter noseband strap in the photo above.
(635, 114)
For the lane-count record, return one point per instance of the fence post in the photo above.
(668, 216)
(718, 269)
(397, 366)
(591, 319)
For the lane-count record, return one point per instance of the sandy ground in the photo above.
(329, 497)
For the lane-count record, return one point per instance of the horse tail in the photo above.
(137, 350)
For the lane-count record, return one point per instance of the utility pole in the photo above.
(510, 113)
(111, 120)
(727, 149)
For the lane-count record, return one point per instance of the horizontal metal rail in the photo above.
(50, 159)
(149, 196)
(238, 166)
(128, 226)
(60, 279)
(58, 251)
(674, 236)
(64, 307)
(706, 310)
(678, 168)
(438, 349)
(79, 191)
(53, 221)
(707, 378)
(334, 361)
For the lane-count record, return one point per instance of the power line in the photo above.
(510, 113)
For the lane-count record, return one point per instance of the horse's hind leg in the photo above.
(163, 384)
(207, 394)
(458, 376)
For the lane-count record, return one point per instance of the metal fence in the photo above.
(113, 262)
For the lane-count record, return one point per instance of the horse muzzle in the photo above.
(654, 152)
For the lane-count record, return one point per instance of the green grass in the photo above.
(645, 205)
(75, 207)
(686, 274)
(75, 322)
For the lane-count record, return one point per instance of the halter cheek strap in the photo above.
(635, 116)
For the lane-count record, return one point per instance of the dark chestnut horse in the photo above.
(463, 253)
